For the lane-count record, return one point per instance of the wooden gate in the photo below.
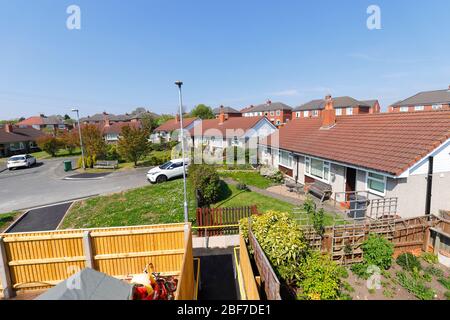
(226, 217)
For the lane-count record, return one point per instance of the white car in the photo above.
(23, 160)
(169, 170)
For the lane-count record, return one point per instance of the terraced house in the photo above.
(400, 155)
(343, 105)
(424, 101)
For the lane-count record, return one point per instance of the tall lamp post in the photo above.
(186, 214)
(81, 139)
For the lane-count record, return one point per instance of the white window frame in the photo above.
(315, 113)
(326, 165)
(419, 108)
(306, 113)
(298, 114)
(404, 109)
(376, 192)
(339, 111)
(272, 113)
(349, 111)
(278, 113)
(290, 159)
(437, 106)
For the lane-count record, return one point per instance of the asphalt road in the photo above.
(44, 184)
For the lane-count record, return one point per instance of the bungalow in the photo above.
(15, 140)
(228, 111)
(386, 155)
(226, 132)
(42, 122)
(343, 106)
(424, 101)
(278, 113)
(164, 131)
(111, 130)
(135, 116)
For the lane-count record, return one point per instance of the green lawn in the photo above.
(7, 218)
(250, 178)
(61, 153)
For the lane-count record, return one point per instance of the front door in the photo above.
(350, 182)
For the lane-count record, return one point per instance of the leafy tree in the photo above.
(164, 118)
(203, 112)
(93, 142)
(70, 140)
(66, 117)
(133, 144)
(149, 123)
(49, 144)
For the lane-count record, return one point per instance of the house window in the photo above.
(16, 146)
(285, 159)
(315, 113)
(376, 183)
(404, 109)
(349, 111)
(272, 113)
(298, 114)
(260, 113)
(278, 112)
(306, 114)
(317, 169)
(339, 111)
(266, 113)
(278, 122)
(437, 106)
(419, 108)
(235, 140)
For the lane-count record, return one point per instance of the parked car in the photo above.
(24, 160)
(169, 170)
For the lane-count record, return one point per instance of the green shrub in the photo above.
(277, 177)
(50, 144)
(112, 153)
(360, 270)
(206, 182)
(415, 286)
(408, 262)
(429, 257)
(89, 161)
(432, 270)
(309, 206)
(445, 282)
(320, 278)
(447, 295)
(242, 187)
(343, 272)
(378, 251)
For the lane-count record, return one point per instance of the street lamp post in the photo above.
(186, 214)
(81, 139)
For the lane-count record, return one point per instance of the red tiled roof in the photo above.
(116, 127)
(31, 121)
(386, 142)
(243, 123)
(172, 124)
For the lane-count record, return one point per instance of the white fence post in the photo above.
(5, 276)
(87, 245)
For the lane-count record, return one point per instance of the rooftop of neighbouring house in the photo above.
(226, 110)
(385, 142)
(240, 125)
(174, 124)
(42, 120)
(17, 134)
(137, 114)
(338, 102)
(426, 98)
(268, 106)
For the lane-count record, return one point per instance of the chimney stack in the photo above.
(177, 118)
(328, 114)
(8, 128)
(268, 101)
(221, 115)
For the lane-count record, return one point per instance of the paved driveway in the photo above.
(45, 184)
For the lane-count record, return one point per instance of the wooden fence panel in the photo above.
(186, 283)
(251, 289)
(209, 217)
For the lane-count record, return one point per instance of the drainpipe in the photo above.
(429, 186)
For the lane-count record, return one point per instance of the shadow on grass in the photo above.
(226, 194)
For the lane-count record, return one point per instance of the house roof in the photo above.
(116, 127)
(426, 98)
(19, 135)
(385, 142)
(370, 103)
(338, 102)
(272, 106)
(216, 111)
(240, 124)
(38, 120)
(173, 124)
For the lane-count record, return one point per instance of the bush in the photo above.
(432, 270)
(242, 187)
(89, 161)
(278, 177)
(378, 251)
(112, 153)
(206, 183)
(445, 282)
(409, 262)
(360, 270)
(415, 286)
(320, 278)
(49, 144)
(429, 257)
(447, 295)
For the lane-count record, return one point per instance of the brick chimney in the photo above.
(8, 128)
(328, 114)
(221, 115)
(268, 101)
(177, 118)
(106, 119)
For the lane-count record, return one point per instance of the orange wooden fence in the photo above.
(207, 217)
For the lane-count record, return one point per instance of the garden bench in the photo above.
(103, 164)
(320, 189)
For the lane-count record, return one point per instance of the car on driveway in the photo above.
(169, 170)
(23, 160)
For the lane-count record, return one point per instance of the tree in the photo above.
(93, 142)
(149, 123)
(133, 144)
(66, 117)
(206, 183)
(164, 118)
(70, 140)
(203, 112)
(49, 144)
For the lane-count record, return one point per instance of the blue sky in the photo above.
(129, 53)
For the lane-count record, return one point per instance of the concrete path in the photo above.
(41, 219)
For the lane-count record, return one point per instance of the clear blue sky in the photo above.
(129, 53)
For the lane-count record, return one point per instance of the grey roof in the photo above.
(226, 110)
(338, 102)
(19, 135)
(137, 114)
(426, 98)
(370, 103)
(273, 106)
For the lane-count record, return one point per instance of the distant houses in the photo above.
(42, 122)
(424, 101)
(17, 140)
(277, 112)
(167, 131)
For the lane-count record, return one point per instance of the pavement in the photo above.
(45, 184)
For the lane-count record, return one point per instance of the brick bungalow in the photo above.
(385, 154)
(343, 106)
(15, 140)
(164, 131)
(424, 101)
(278, 113)
(42, 122)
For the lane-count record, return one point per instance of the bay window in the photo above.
(376, 183)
